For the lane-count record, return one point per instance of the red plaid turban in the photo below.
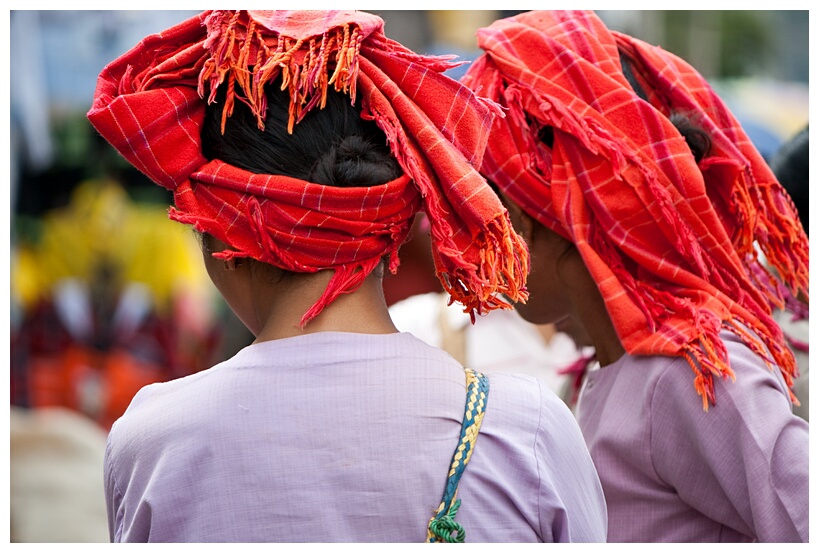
(150, 105)
(669, 241)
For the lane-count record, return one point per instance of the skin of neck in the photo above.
(271, 302)
(607, 345)
(587, 307)
(280, 303)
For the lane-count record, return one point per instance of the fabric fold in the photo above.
(670, 242)
(150, 105)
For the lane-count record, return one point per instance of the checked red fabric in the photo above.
(670, 242)
(150, 105)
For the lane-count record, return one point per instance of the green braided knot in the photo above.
(444, 525)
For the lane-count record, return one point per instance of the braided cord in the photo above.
(442, 526)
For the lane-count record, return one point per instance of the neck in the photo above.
(606, 343)
(590, 310)
(362, 311)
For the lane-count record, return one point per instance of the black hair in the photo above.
(628, 73)
(332, 146)
(790, 165)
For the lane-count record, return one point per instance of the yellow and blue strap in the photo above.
(442, 526)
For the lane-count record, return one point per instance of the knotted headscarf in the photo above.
(150, 105)
(669, 241)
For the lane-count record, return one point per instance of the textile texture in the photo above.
(150, 105)
(674, 473)
(279, 444)
(670, 241)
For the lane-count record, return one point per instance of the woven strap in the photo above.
(442, 526)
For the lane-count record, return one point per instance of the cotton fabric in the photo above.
(150, 105)
(342, 437)
(673, 473)
(669, 241)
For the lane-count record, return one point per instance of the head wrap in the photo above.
(150, 105)
(669, 241)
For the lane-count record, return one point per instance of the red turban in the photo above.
(150, 105)
(669, 241)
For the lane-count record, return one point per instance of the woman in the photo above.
(300, 145)
(646, 234)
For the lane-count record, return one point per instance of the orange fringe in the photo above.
(304, 66)
(708, 361)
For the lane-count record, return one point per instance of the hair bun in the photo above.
(354, 147)
(699, 142)
(354, 161)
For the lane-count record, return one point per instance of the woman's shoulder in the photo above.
(739, 400)
(751, 374)
(527, 406)
(537, 455)
(670, 378)
(326, 356)
(529, 390)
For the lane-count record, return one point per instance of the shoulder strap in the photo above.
(442, 526)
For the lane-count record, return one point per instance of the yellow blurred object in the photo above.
(118, 298)
(164, 255)
(26, 277)
(457, 27)
(101, 223)
(91, 226)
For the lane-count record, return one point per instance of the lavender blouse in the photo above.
(673, 473)
(342, 437)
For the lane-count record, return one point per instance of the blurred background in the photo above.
(108, 295)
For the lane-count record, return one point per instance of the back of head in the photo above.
(790, 164)
(647, 172)
(327, 185)
(333, 146)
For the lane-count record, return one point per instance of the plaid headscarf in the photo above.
(670, 242)
(150, 105)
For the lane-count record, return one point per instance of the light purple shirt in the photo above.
(342, 437)
(673, 473)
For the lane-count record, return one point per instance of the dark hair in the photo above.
(628, 73)
(332, 146)
(790, 165)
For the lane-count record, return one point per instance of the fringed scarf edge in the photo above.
(346, 278)
(705, 353)
(302, 64)
(708, 358)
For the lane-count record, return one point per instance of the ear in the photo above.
(528, 226)
(232, 263)
(522, 222)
